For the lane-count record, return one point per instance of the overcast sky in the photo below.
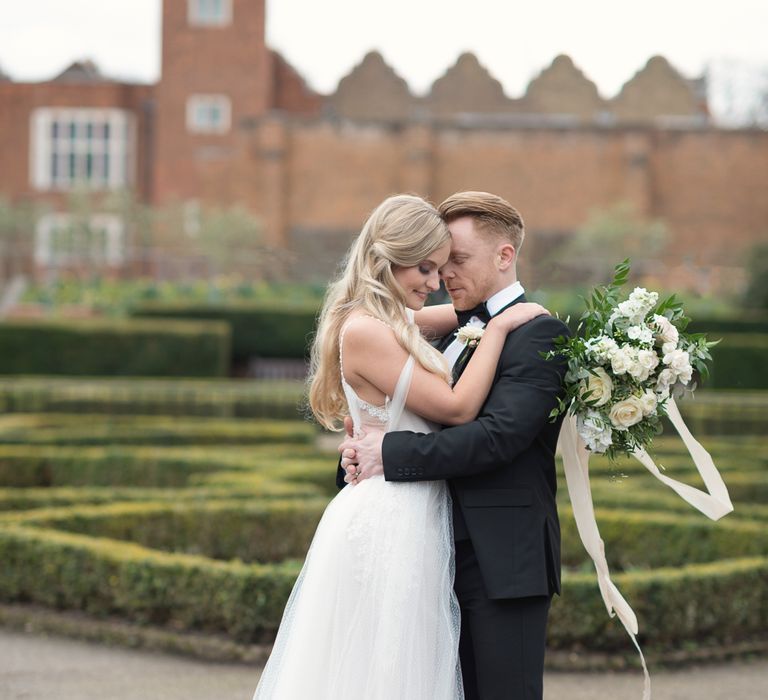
(608, 39)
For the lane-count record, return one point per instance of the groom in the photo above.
(500, 467)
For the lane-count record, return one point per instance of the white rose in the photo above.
(667, 378)
(665, 331)
(667, 348)
(637, 371)
(620, 361)
(685, 376)
(597, 387)
(649, 401)
(595, 432)
(648, 359)
(626, 413)
(679, 361)
(470, 335)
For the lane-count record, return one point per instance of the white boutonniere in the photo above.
(470, 335)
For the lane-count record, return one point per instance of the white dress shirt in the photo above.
(495, 304)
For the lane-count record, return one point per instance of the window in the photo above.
(208, 114)
(210, 13)
(71, 147)
(62, 240)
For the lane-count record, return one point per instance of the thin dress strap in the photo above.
(393, 408)
(397, 404)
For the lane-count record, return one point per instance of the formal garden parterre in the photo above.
(199, 523)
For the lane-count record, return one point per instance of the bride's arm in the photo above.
(373, 357)
(436, 321)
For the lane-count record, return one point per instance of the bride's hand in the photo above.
(515, 316)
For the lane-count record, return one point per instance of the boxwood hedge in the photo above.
(143, 347)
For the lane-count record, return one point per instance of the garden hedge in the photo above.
(714, 327)
(723, 600)
(258, 329)
(177, 396)
(89, 429)
(144, 347)
(25, 466)
(263, 531)
(740, 362)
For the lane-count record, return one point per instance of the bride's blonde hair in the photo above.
(403, 230)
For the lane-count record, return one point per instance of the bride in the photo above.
(373, 614)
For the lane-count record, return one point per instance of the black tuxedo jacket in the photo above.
(501, 466)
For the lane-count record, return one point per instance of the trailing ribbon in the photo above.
(714, 503)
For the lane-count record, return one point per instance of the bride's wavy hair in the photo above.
(404, 230)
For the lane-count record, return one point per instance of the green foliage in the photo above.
(716, 603)
(756, 295)
(158, 466)
(118, 298)
(192, 525)
(740, 362)
(126, 347)
(676, 538)
(83, 429)
(609, 234)
(106, 577)
(733, 324)
(275, 330)
(253, 531)
(175, 397)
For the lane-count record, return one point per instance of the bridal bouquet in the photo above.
(624, 361)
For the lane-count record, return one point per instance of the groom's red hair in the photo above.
(491, 214)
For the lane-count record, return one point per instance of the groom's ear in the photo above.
(505, 256)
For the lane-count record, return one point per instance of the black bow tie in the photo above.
(481, 311)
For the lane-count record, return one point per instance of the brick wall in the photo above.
(708, 185)
(231, 60)
(19, 100)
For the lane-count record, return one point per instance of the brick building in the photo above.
(231, 122)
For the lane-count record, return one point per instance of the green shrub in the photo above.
(258, 329)
(255, 531)
(110, 348)
(103, 577)
(202, 397)
(255, 487)
(622, 498)
(739, 362)
(72, 429)
(718, 603)
(27, 466)
(727, 600)
(755, 322)
(643, 539)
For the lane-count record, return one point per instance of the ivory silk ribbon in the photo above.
(714, 503)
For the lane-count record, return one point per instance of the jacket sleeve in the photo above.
(517, 408)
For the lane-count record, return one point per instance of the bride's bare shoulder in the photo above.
(363, 329)
(367, 338)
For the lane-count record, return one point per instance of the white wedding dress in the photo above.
(373, 614)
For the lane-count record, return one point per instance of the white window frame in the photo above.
(49, 224)
(197, 102)
(120, 148)
(198, 16)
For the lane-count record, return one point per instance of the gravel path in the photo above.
(36, 667)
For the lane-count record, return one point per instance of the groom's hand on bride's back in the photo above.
(348, 463)
(361, 456)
